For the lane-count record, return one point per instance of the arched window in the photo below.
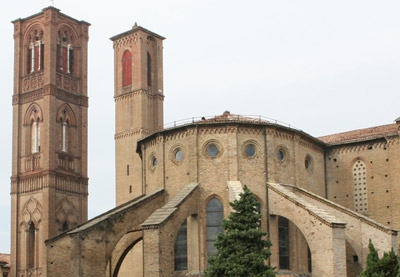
(64, 135)
(180, 248)
(283, 233)
(32, 123)
(215, 214)
(65, 54)
(360, 195)
(35, 59)
(35, 135)
(31, 245)
(127, 68)
(66, 119)
(148, 69)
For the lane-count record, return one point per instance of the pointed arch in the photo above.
(33, 113)
(66, 42)
(127, 68)
(31, 212)
(66, 120)
(32, 125)
(66, 214)
(35, 49)
(180, 248)
(214, 216)
(360, 195)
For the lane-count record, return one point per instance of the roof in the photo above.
(134, 29)
(225, 118)
(229, 117)
(362, 134)
(47, 8)
(4, 260)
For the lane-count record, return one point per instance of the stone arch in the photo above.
(211, 196)
(36, 29)
(67, 34)
(324, 235)
(34, 112)
(66, 114)
(121, 249)
(161, 229)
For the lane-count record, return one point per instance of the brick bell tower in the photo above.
(139, 98)
(49, 182)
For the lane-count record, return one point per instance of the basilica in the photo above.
(322, 198)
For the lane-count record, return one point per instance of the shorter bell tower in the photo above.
(139, 98)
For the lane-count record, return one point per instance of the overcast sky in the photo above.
(321, 66)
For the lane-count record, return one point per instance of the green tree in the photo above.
(387, 266)
(243, 247)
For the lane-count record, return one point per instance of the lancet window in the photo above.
(149, 69)
(33, 122)
(35, 59)
(127, 68)
(180, 248)
(215, 214)
(65, 53)
(31, 245)
(360, 195)
(66, 120)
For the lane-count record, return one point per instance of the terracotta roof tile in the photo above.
(362, 134)
(5, 260)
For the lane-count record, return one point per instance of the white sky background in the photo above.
(321, 66)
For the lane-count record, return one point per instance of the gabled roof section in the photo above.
(49, 8)
(361, 135)
(162, 214)
(134, 29)
(115, 212)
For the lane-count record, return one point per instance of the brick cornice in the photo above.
(130, 94)
(47, 90)
(49, 179)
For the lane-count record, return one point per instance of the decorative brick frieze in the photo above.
(50, 90)
(130, 94)
(39, 181)
(130, 133)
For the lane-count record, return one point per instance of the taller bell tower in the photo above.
(139, 98)
(49, 182)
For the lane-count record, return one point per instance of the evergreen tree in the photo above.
(242, 247)
(387, 266)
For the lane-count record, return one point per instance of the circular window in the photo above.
(250, 150)
(281, 155)
(178, 155)
(154, 161)
(212, 150)
(308, 162)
